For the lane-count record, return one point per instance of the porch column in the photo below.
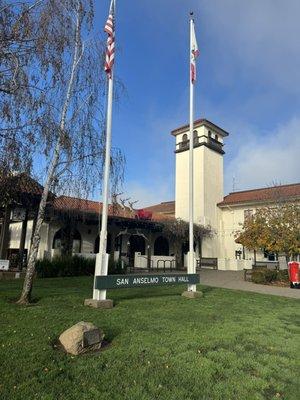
(22, 240)
(4, 239)
(113, 242)
(148, 252)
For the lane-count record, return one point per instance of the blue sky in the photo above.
(248, 83)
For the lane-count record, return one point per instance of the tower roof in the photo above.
(197, 124)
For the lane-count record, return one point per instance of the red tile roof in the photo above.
(66, 203)
(22, 184)
(26, 184)
(160, 217)
(166, 210)
(197, 123)
(167, 207)
(274, 193)
(73, 203)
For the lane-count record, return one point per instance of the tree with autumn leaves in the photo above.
(274, 228)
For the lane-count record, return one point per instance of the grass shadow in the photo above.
(140, 295)
(146, 293)
(14, 300)
(105, 345)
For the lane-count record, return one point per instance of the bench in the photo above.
(207, 262)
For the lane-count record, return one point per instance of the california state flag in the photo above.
(194, 53)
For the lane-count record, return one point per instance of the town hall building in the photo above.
(136, 235)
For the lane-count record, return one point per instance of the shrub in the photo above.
(74, 266)
(65, 266)
(265, 276)
(116, 267)
(283, 275)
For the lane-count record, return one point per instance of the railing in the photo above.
(215, 144)
(184, 145)
(164, 262)
(266, 264)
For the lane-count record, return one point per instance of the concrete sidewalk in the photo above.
(235, 280)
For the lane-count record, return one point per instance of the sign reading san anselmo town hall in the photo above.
(131, 281)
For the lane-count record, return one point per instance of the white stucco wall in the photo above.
(208, 187)
(231, 221)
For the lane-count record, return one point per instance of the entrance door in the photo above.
(185, 248)
(136, 244)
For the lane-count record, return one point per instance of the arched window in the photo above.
(161, 246)
(195, 137)
(137, 243)
(76, 245)
(183, 144)
(217, 138)
(209, 134)
(68, 240)
(57, 240)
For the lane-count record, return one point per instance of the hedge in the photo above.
(265, 276)
(73, 266)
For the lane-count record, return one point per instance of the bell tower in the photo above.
(208, 141)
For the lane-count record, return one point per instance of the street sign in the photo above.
(131, 281)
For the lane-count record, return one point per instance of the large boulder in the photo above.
(81, 337)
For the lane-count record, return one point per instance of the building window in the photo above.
(209, 134)
(67, 240)
(217, 138)
(195, 137)
(248, 214)
(238, 254)
(270, 255)
(184, 142)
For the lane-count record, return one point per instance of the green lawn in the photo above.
(226, 345)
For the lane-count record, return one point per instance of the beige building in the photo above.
(137, 235)
(224, 214)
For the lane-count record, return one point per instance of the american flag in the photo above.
(110, 48)
(194, 54)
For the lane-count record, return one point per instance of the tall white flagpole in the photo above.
(102, 258)
(101, 267)
(191, 258)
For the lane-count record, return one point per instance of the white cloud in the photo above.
(262, 160)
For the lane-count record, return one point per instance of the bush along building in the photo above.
(156, 236)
